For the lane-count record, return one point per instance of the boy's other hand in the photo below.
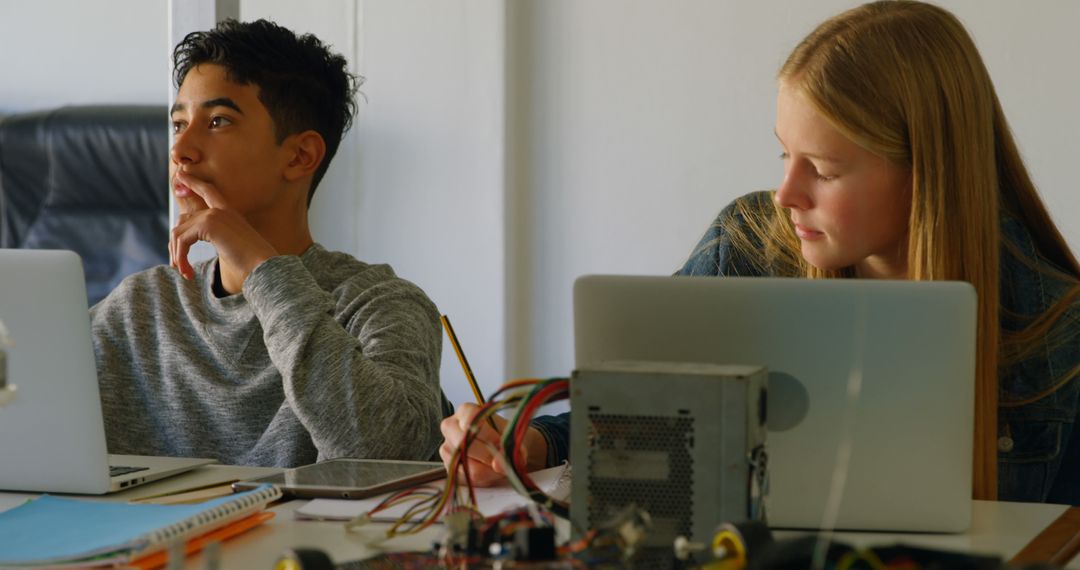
(484, 468)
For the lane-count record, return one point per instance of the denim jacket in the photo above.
(1038, 454)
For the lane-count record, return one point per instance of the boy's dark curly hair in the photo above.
(301, 82)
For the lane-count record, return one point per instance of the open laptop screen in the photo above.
(883, 369)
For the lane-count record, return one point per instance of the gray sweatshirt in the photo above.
(320, 356)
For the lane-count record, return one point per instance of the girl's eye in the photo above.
(822, 178)
(177, 127)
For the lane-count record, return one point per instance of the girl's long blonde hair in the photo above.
(904, 80)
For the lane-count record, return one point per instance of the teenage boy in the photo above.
(277, 352)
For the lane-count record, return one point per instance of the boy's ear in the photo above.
(306, 153)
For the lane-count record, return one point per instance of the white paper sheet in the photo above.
(554, 481)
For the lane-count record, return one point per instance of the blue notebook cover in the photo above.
(56, 530)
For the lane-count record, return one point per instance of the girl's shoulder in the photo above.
(1040, 322)
(1030, 284)
(732, 241)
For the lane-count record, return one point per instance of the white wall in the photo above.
(629, 125)
(431, 165)
(59, 52)
(335, 22)
(647, 117)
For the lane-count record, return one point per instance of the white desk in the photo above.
(997, 528)
(1000, 529)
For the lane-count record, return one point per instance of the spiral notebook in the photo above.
(56, 531)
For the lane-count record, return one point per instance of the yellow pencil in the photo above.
(461, 358)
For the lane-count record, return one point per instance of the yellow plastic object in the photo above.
(729, 548)
(287, 564)
(304, 559)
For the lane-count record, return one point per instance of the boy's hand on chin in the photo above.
(207, 217)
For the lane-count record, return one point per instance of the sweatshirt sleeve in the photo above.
(556, 432)
(359, 367)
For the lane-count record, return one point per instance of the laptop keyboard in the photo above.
(118, 470)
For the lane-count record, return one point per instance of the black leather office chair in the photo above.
(92, 179)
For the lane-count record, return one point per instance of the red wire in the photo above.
(462, 460)
(514, 384)
(559, 387)
(546, 394)
(463, 451)
(522, 427)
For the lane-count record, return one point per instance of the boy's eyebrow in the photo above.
(210, 103)
(811, 155)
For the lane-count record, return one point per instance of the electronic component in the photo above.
(533, 544)
(683, 442)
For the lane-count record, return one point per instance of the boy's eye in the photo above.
(177, 127)
(219, 121)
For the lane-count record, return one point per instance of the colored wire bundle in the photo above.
(458, 494)
(513, 440)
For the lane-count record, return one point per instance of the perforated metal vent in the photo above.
(646, 461)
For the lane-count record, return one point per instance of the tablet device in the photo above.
(349, 478)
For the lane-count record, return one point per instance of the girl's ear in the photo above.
(306, 151)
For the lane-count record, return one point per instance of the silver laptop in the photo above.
(871, 385)
(52, 436)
